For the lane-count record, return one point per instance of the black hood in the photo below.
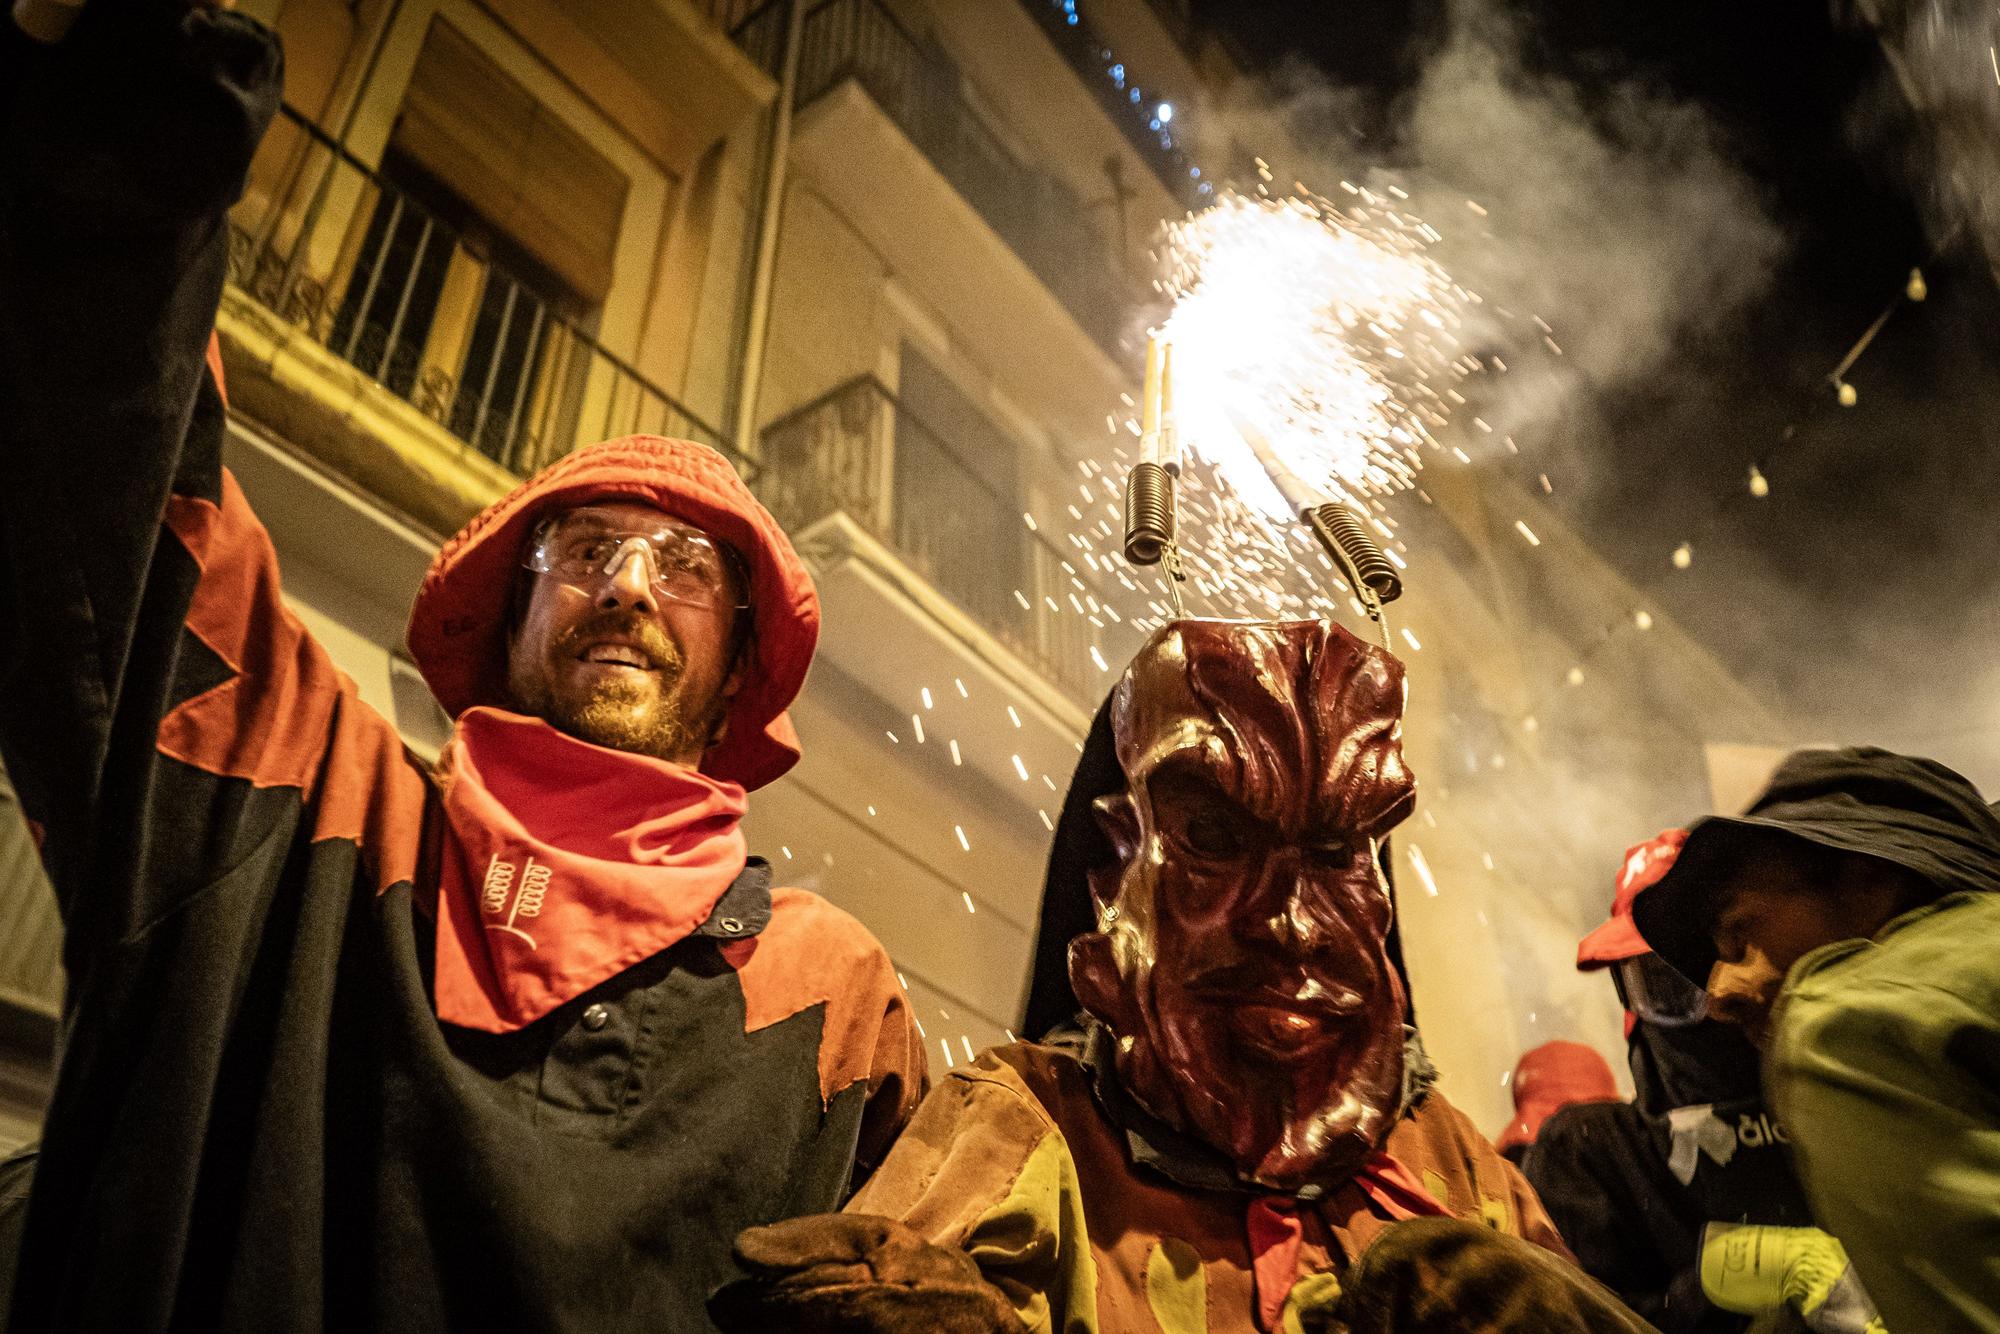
(1080, 847)
(1913, 812)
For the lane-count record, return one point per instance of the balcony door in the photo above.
(957, 498)
(489, 244)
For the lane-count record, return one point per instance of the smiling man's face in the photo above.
(603, 652)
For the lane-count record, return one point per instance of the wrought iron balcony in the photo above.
(324, 242)
(858, 452)
(918, 88)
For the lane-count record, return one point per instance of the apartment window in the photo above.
(489, 244)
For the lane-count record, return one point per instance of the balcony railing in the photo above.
(918, 87)
(858, 452)
(324, 242)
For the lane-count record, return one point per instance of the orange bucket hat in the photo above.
(459, 622)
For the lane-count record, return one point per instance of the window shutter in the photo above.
(525, 173)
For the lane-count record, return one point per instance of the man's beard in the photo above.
(644, 717)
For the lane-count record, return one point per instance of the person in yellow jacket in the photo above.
(1847, 921)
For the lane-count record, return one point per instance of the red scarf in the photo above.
(1277, 1234)
(565, 863)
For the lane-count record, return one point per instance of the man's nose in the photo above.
(628, 579)
(1734, 994)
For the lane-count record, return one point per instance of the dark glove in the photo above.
(856, 1274)
(145, 114)
(1448, 1276)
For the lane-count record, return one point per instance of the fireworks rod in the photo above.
(1149, 489)
(1338, 529)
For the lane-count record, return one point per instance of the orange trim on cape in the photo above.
(287, 717)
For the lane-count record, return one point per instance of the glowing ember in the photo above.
(1422, 867)
(1326, 330)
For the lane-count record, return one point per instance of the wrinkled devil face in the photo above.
(1241, 957)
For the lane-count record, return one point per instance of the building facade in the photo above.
(892, 256)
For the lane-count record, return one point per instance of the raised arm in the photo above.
(121, 148)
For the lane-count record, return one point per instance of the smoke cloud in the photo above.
(1610, 217)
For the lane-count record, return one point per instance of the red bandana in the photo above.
(1276, 1234)
(565, 863)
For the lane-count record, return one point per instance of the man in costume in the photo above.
(1845, 922)
(1241, 1134)
(519, 1044)
(1683, 1201)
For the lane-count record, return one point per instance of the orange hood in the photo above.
(459, 622)
(1549, 1078)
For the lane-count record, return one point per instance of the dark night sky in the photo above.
(1872, 554)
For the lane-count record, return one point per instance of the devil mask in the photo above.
(1240, 960)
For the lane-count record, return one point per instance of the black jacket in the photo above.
(1606, 1172)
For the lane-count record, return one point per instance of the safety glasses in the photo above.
(1651, 989)
(683, 564)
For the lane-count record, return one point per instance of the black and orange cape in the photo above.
(259, 1122)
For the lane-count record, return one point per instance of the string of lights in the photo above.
(1155, 120)
(1836, 389)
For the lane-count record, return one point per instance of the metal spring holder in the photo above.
(1149, 513)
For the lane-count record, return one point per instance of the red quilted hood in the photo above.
(458, 625)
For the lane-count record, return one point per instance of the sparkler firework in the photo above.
(1329, 331)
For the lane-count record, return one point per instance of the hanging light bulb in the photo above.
(1916, 289)
(1760, 485)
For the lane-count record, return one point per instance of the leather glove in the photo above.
(1753, 1269)
(1450, 1276)
(857, 1274)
